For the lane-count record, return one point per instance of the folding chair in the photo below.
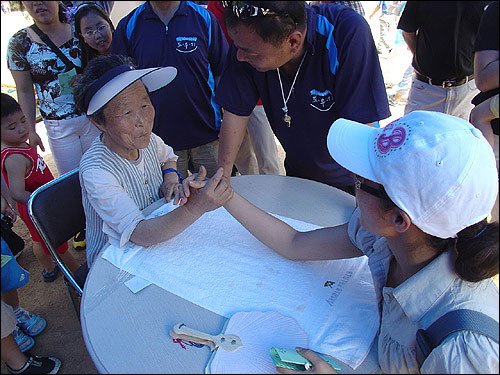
(57, 213)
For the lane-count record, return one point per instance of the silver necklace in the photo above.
(286, 117)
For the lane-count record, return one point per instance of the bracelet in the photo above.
(168, 170)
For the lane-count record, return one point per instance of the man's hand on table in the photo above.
(319, 365)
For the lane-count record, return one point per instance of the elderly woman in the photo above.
(128, 167)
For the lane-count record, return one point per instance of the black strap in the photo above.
(451, 322)
(54, 48)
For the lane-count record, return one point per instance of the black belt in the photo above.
(448, 83)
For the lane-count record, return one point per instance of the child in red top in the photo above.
(25, 171)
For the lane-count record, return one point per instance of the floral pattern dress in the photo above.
(23, 54)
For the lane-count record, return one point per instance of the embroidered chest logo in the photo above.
(40, 164)
(186, 44)
(321, 100)
(392, 138)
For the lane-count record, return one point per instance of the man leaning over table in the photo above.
(310, 66)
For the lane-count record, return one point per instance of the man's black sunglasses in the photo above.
(359, 184)
(242, 10)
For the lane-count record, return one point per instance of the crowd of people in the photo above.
(178, 97)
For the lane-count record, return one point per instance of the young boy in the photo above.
(25, 171)
(21, 324)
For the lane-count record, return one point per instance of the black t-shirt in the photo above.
(446, 32)
(487, 39)
(487, 35)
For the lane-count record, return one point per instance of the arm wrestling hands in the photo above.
(206, 194)
(219, 190)
(213, 194)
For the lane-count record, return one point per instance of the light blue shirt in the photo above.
(421, 300)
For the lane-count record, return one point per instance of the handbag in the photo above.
(72, 70)
(45, 38)
(13, 275)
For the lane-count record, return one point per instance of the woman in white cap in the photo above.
(425, 185)
(128, 167)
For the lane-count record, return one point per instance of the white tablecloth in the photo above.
(217, 264)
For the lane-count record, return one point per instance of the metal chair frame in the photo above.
(46, 192)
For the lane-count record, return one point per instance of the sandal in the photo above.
(48, 277)
(22, 340)
(31, 324)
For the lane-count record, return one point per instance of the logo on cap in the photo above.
(392, 137)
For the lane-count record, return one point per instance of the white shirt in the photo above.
(421, 300)
(119, 213)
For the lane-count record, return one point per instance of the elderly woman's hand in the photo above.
(196, 181)
(319, 365)
(215, 193)
(172, 187)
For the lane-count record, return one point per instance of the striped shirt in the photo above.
(116, 190)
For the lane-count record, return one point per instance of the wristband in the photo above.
(168, 170)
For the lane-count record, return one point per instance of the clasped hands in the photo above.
(201, 194)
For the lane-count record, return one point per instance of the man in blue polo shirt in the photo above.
(188, 37)
(310, 66)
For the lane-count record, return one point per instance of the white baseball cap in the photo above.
(436, 167)
(119, 78)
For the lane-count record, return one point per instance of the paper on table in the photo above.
(136, 284)
(217, 264)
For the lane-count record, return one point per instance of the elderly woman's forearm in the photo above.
(153, 231)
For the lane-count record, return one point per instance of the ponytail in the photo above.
(477, 252)
(476, 247)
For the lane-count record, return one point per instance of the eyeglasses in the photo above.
(101, 30)
(243, 10)
(359, 184)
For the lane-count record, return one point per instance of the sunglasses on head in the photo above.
(243, 10)
(360, 184)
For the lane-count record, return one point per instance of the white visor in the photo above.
(153, 79)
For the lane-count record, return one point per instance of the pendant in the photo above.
(288, 120)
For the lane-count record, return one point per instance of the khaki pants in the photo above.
(191, 159)
(494, 212)
(455, 101)
(258, 153)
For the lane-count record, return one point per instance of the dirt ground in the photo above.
(62, 338)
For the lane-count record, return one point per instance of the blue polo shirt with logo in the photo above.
(340, 78)
(193, 42)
